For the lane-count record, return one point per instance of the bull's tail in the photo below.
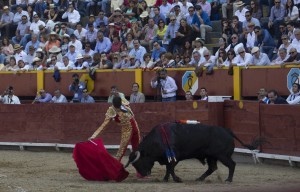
(254, 144)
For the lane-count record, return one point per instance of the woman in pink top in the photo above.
(6, 50)
(53, 41)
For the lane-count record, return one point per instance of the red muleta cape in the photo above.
(96, 164)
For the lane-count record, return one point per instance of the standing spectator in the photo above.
(8, 97)
(294, 97)
(259, 59)
(43, 97)
(72, 15)
(6, 21)
(58, 97)
(166, 85)
(136, 96)
(275, 98)
(264, 41)
(76, 87)
(276, 17)
(86, 98)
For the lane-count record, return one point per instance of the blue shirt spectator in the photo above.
(103, 44)
(157, 51)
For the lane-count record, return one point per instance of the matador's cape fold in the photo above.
(95, 163)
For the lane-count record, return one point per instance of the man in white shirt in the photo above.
(8, 97)
(58, 97)
(18, 15)
(240, 13)
(80, 31)
(259, 59)
(138, 51)
(250, 36)
(34, 26)
(282, 57)
(72, 15)
(243, 59)
(296, 41)
(203, 94)
(166, 85)
(19, 53)
(294, 97)
(76, 43)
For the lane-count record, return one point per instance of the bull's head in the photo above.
(142, 163)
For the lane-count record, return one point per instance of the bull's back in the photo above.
(191, 140)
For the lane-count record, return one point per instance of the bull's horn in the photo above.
(138, 154)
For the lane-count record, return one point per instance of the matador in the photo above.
(121, 113)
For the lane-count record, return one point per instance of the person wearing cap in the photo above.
(77, 44)
(19, 53)
(6, 21)
(103, 44)
(37, 64)
(43, 97)
(34, 42)
(86, 98)
(22, 32)
(65, 44)
(34, 26)
(58, 97)
(92, 19)
(259, 59)
(241, 11)
(52, 41)
(80, 63)
(80, 32)
(72, 15)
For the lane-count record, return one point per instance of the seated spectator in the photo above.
(22, 67)
(168, 61)
(77, 43)
(136, 96)
(206, 6)
(157, 49)
(276, 17)
(34, 26)
(264, 41)
(76, 87)
(231, 59)
(187, 48)
(64, 45)
(262, 96)
(34, 42)
(250, 38)
(296, 41)
(221, 58)
(228, 5)
(199, 46)
(105, 63)
(241, 11)
(138, 51)
(72, 54)
(80, 64)
(285, 43)
(114, 92)
(22, 32)
(189, 96)
(86, 98)
(243, 59)
(203, 94)
(8, 97)
(197, 60)
(259, 59)
(11, 66)
(158, 16)
(72, 15)
(6, 22)
(103, 44)
(149, 32)
(281, 58)
(249, 19)
(19, 53)
(43, 97)
(53, 41)
(235, 45)
(80, 32)
(165, 8)
(292, 12)
(201, 23)
(7, 50)
(282, 31)
(209, 62)
(148, 62)
(294, 97)
(294, 57)
(58, 97)
(171, 32)
(275, 98)
(116, 44)
(255, 10)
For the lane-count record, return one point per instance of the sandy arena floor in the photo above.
(24, 171)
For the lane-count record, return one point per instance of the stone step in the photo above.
(214, 40)
(216, 25)
(213, 34)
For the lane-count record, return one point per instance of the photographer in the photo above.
(76, 87)
(8, 96)
(166, 84)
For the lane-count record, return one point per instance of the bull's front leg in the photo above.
(170, 168)
(167, 176)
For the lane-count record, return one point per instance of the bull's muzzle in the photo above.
(137, 154)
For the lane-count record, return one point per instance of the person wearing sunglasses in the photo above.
(259, 59)
(235, 44)
(265, 41)
(294, 57)
(243, 59)
(282, 56)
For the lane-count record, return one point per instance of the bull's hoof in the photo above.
(228, 181)
(177, 180)
(200, 179)
(166, 179)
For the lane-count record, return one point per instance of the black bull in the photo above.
(187, 141)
